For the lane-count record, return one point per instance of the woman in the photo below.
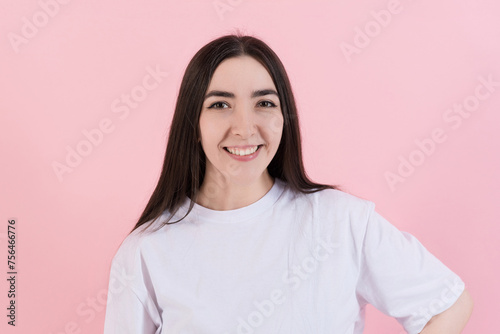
(237, 239)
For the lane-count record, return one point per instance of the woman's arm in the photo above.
(454, 319)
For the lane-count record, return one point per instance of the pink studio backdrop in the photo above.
(378, 84)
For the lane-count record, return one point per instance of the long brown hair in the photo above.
(184, 163)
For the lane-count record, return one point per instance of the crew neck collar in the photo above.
(202, 213)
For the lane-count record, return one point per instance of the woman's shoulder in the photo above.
(340, 201)
(129, 248)
(335, 213)
(133, 244)
(331, 209)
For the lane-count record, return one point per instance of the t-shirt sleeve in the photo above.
(125, 314)
(129, 308)
(401, 278)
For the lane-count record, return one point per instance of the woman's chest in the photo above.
(273, 280)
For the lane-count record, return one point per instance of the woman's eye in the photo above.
(220, 105)
(217, 105)
(270, 104)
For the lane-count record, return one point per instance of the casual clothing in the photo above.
(287, 263)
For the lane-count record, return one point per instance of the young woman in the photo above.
(237, 239)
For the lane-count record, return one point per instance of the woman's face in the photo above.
(240, 122)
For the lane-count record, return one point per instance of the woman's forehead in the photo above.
(241, 72)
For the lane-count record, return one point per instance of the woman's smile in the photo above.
(242, 150)
(243, 154)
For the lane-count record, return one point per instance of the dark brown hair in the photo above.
(184, 163)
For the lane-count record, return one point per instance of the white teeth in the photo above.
(248, 151)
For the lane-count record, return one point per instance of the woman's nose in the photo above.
(243, 121)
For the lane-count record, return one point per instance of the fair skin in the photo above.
(454, 319)
(242, 119)
(241, 111)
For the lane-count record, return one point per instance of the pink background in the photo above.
(358, 115)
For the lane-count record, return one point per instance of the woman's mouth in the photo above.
(243, 151)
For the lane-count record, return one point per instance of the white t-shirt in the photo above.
(288, 263)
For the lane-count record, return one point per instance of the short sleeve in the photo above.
(129, 309)
(401, 278)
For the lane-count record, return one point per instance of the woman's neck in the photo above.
(226, 195)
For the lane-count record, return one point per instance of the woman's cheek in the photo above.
(276, 124)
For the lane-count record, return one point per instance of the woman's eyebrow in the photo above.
(255, 93)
